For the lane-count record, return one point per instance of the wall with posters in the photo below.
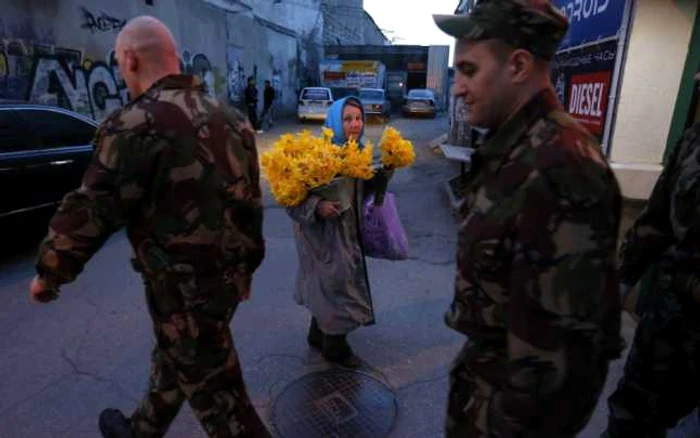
(591, 20)
(352, 74)
(608, 79)
(584, 69)
(61, 53)
(583, 80)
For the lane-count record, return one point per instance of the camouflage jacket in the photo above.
(180, 171)
(536, 253)
(668, 230)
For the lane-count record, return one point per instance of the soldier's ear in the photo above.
(131, 61)
(521, 63)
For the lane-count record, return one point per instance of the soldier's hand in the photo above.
(242, 282)
(41, 292)
(328, 209)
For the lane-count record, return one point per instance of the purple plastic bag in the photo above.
(383, 236)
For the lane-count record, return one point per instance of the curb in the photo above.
(435, 143)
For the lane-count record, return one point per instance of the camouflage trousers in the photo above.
(476, 381)
(195, 360)
(661, 383)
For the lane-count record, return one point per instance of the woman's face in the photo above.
(352, 122)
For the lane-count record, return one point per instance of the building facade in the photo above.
(625, 71)
(407, 67)
(60, 52)
(346, 23)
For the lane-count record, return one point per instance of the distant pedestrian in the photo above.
(251, 102)
(269, 98)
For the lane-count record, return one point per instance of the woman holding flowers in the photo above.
(332, 278)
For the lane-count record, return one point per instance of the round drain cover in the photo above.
(335, 404)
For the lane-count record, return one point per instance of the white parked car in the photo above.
(314, 103)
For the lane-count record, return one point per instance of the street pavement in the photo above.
(64, 362)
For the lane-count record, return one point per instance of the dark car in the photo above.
(44, 152)
(339, 92)
(420, 101)
(375, 102)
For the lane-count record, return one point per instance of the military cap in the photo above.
(533, 25)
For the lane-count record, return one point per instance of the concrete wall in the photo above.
(346, 23)
(270, 55)
(305, 18)
(301, 16)
(656, 54)
(59, 52)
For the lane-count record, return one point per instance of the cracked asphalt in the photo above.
(64, 362)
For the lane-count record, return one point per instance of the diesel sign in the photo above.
(588, 99)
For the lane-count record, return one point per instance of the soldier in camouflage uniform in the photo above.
(535, 290)
(662, 373)
(179, 170)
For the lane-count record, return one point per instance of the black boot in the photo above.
(315, 336)
(113, 424)
(337, 350)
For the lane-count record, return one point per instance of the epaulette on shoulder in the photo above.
(564, 119)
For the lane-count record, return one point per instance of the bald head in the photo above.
(147, 35)
(146, 52)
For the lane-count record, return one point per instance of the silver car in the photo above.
(419, 101)
(375, 102)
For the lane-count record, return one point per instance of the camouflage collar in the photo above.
(170, 82)
(176, 82)
(504, 139)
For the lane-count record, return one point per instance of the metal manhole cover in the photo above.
(335, 404)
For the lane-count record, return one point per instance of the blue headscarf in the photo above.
(334, 120)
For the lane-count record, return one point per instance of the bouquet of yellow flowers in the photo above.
(298, 164)
(397, 152)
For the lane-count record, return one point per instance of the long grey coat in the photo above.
(332, 278)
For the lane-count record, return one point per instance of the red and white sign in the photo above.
(588, 99)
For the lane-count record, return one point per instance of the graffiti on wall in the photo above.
(20, 28)
(60, 77)
(235, 80)
(101, 23)
(64, 77)
(200, 65)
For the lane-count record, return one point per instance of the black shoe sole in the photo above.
(316, 345)
(113, 424)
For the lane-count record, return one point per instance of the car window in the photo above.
(55, 129)
(423, 94)
(14, 136)
(371, 94)
(311, 94)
